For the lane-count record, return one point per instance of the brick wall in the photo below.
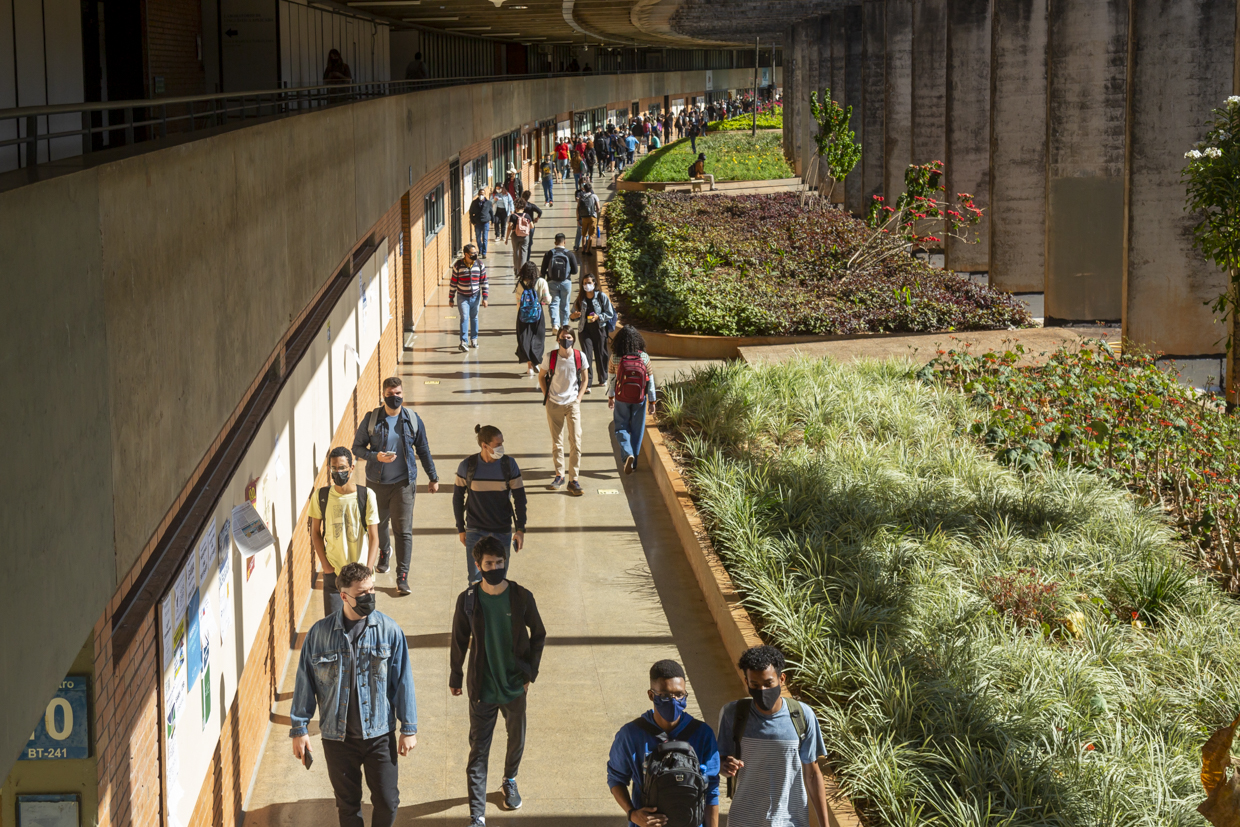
(172, 31)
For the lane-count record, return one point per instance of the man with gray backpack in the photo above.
(669, 759)
(559, 265)
(770, 746)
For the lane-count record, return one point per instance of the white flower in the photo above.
(1233, 100)
(1214, 152)
(1192, 155)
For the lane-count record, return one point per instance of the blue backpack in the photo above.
(530, 310)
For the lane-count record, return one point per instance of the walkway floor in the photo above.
(611, 581)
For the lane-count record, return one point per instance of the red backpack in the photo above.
(632, 375)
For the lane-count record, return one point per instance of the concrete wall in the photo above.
(873, 84)
(898, 97)
(929, 80)
(854, 94)
(968, 125)
(155, 288)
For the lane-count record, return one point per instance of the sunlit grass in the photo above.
(729, 157)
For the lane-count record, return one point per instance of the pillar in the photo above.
(790, 86)
(968, 126)
(929, 80)
(792, 80)
(1181, 68)
(898, 97)
(1087, 78)
(839, 62)
(854, 92)
(873, 81)
(1018, 146)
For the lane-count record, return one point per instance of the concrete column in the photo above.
(1018, 146)
(789, 130)
(854, 91)
(792, 81)
(839, 84)
(898, 97)
(1087, 78)
(1181, 67)
(968, 125)
(811, 73)
(873, 82)
(929, 80)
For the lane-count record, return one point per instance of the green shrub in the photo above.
(728, 158)
(766, 120)
(870, 537)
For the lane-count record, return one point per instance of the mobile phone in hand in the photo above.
(307, 757)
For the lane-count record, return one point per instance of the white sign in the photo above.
(710, 81)
(249, 531)
(206, 554)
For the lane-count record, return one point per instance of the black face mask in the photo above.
(364, 604)
(766, 697)
(393, 401)
(495, 576)
(341, 477)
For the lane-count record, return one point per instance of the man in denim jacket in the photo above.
(355, 667)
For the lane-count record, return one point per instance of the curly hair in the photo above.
(627, 342)
(760, 658)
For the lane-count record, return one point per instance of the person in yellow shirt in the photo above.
(337, 539)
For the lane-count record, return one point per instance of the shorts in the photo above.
(588, 225)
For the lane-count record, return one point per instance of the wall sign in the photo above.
(55, 810)
(64, 729)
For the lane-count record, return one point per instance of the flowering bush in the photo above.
(764, 265)
(1123, 417)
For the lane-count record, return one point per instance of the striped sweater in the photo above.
(467, 279)
(491, 505)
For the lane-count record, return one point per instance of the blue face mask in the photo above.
(670, 708)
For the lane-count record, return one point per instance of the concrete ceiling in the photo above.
(686, 24)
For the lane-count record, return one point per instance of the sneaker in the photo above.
(630, 463)
(473, 343)
(574, 489)
(384, 558)
(463, 347)
(588, 390)
(512, 798)
(477, 821)
(402, 583)
(556, 483)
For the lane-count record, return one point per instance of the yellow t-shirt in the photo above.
(344, 521)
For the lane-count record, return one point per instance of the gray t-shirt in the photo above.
(396, 470)
(353, 630)
(770, 789)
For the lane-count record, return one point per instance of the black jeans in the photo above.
(481, 728)
(594, 348)
(331, 595)
(395, 500)
(345, 760)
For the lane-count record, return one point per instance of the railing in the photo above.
(109, 124)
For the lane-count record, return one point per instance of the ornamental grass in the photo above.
(752, 265)
(984, 645)
(732, 157)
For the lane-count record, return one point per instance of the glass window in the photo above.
(432, 213)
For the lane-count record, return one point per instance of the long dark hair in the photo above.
(528, 276)
(628, 341)
(581, 288)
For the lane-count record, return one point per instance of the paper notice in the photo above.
(249, 531)
(224, 581)
(349, 350)
(206, 555)
(167, 626)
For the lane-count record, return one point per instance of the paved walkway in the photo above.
(610, 578)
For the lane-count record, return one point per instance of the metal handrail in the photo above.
(146, 120)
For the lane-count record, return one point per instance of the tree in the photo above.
(1213, 189)
(837, 145)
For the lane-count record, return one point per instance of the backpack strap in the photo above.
(362, 494)
(796, 711)
(740, 717)
(323, 493)
(371, 419)
(651, 729)
(470, 600)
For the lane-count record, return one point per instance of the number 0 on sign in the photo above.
(63, 731)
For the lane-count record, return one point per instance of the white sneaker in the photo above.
(473, 343)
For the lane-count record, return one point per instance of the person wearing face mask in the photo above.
(354, 667)
(497, 622)
(594, 315)
(339, 516)
(669, 720)
(489, 497)
(564, 382)
(388, 438)
(468, 289)
(770, 747)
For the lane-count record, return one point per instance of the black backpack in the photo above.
(324, 492)
(672, 780)
(557, 270)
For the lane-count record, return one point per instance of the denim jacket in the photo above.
(413, 443)
(384, 686)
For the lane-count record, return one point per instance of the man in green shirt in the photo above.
(497, 622)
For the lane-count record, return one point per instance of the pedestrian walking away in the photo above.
(559, 265)
(595, 318)
(496, 621)
(354, 668)
(521, 232)
(340, 515)
(481, 213)
(564, 382)
(561, 157)
(531, 327)
(672, 752)
(389, 438)
(587, 217)
(770, 746)
(630, 392)
(548, 181)
(468, 290)
(488, 499)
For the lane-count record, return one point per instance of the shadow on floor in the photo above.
(321, 812)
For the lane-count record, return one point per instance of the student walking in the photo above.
(587, 218)
(630, 392)
(561, 156)
(389, 438)
(497, 621)
(468, 290)
(340, 515)
(771, 746)
(548, 181)
(489, 497)
(481, 214)
(564, 382)
(692, 800)
(595, 316)
(520, 232)
(558, 268)
(591, 157)
(531, 327)
(694, 132)
(502, 206)
(354, 667)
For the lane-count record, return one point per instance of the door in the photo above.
(454, 182)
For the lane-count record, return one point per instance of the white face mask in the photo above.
(589, 288)
(498, 451)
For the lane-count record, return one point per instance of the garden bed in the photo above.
(769, 117)
(732, 157)
(983, 646)
(764, 265)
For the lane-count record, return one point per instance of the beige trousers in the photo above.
(557, 417)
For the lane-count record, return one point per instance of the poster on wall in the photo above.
(206, 554)
(167, 627)
(384, 296)
(193, 640)
(249, 531)
(223, 546)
